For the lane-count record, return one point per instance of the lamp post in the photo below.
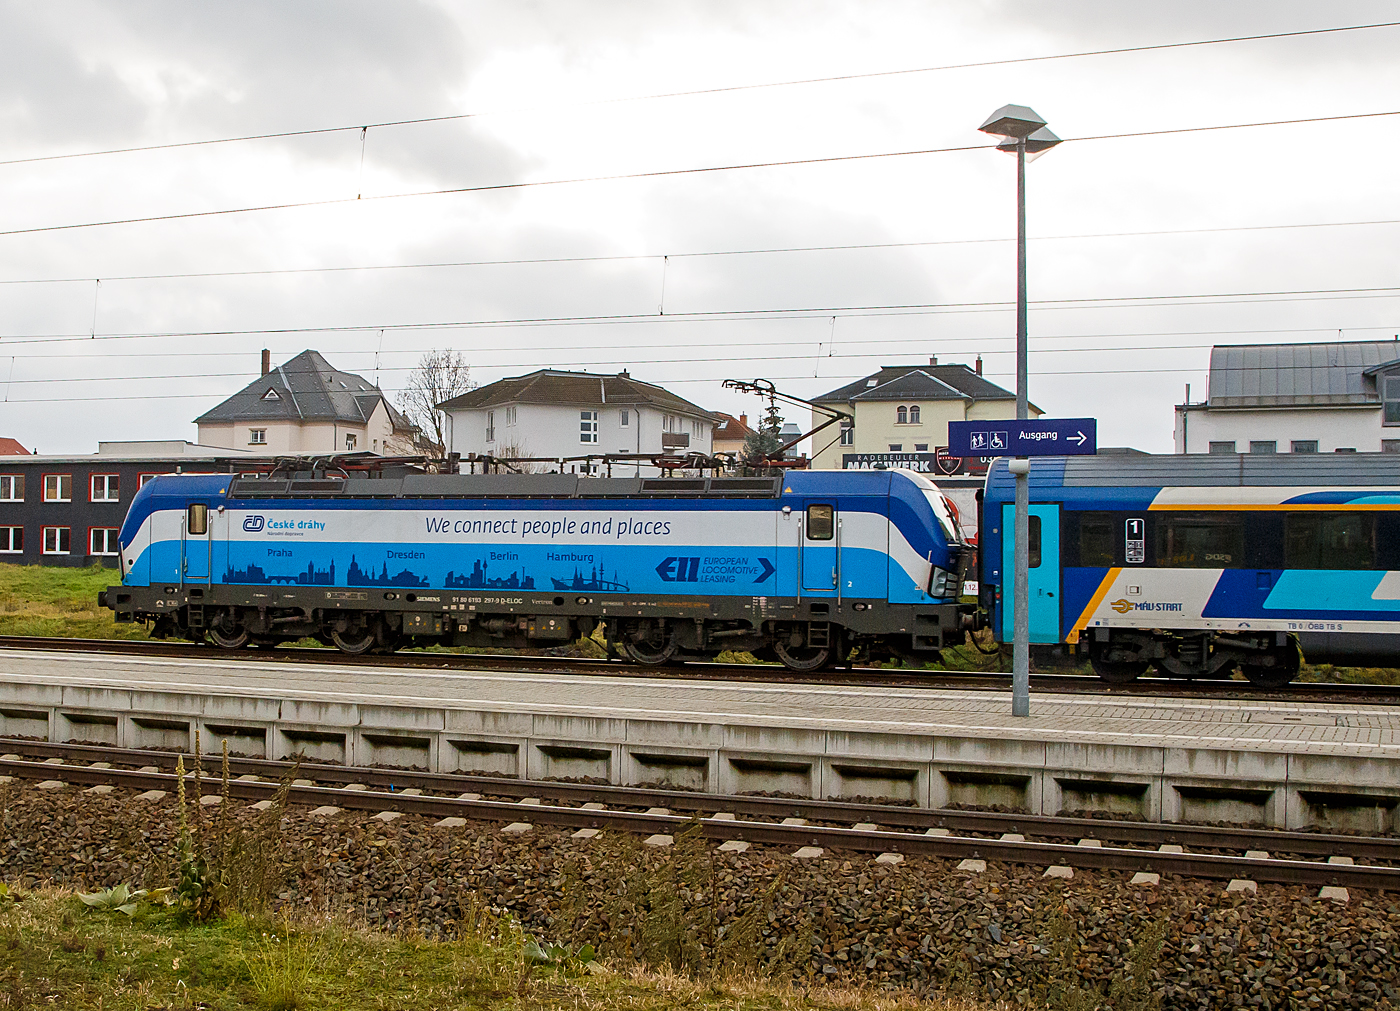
(1025, 133)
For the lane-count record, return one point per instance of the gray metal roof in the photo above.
(918, 382)
(1230, 470)
(1297, 375)
(306, 388)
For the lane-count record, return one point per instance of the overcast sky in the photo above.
(558, 90)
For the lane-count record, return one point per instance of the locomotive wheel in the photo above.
(650, 654)
(1268, 677)
(346, 643)
(224, 639)
(802, 658)
(1123, 673)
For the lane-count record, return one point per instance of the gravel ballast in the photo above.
(922, 925)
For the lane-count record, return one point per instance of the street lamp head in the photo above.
(1012, 121)
(1036, 144)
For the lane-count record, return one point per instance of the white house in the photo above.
(1341, 397)
(553, 414)
(306, 407)
(902, 414)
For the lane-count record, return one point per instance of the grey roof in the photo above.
(1297, 375)
(555, 386)
(306, 388)
(918, 382)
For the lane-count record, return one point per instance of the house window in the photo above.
(896, 447)
(11, 540)
(11, 487)
(510, 415)
(921, 447)
(914, 415)
(257, 437)
(901, 416)
(1345, 449)
(58, 488)
(625, 419)
(848, 436)
(1390, 445)
(1222, 447)
(588, 426)
(141, 480)
(58, 540)
(105, 488)
(490, 426)
(1392, 400)
(350, 442)
(102, 541)
(1263, 446)
(1304, 445)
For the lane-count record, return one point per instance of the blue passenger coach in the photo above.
(806, 567)
(1197, 565)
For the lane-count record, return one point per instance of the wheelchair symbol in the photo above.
(998, 440)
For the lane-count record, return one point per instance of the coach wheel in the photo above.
(1119, 673)
(1270, 677)
(347, 642)
(237, 638)
(803, 658)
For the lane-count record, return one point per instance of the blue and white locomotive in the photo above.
(807, 567)
(1196, 565)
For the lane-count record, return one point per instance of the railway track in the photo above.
(711, 671)
(1199, 851)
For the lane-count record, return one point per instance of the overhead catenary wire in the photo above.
(716, 90)
(731, 315)
(692, 254)
(662, 174)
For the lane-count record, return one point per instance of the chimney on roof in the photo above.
(744, 420)
(624, 374)
(267, 361)
(979, 365)
(933, 359)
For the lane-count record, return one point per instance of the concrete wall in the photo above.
(1286, 789)
(1357, 428)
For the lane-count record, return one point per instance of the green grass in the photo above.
(54, 951)
(59, 601)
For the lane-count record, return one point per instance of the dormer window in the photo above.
(869, 383)
(271, 394)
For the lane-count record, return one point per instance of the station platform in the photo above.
(1281, 764)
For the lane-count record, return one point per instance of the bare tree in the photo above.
(441, 375)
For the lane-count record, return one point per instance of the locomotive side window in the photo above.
(1098, 540)
(821, 522)
(1329, 541)
(1200, 540)
(1033, 541)
(197, 519)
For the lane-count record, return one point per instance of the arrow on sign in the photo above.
(768, 570)
(1082, 438)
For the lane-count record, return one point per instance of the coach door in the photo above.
(820, 542)
(1044, 582)
(195, 544)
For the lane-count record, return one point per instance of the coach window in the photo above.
(1033, 541)
(197, 519)
(1200, 540)
(821, 522)
(1098, 540)
(1329, 541)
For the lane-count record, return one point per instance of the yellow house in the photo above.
(902, 414)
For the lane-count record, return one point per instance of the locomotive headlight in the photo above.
(942, 583)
